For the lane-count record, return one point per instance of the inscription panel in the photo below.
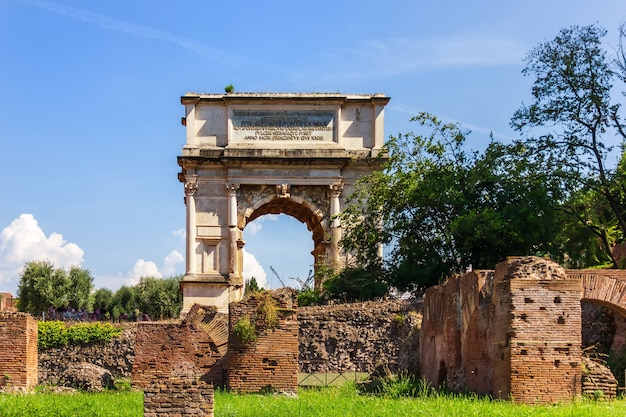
(283, 125)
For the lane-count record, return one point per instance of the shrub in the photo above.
(244, 329)
(56, 333)
(51, 333)
(309, 297)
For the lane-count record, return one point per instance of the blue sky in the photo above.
(90, 106)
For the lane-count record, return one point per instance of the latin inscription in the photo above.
(283, 125)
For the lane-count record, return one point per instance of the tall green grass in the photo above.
(106, 404)
(343, 401)
(346, 401)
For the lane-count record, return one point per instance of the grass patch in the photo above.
(346, 401)
(327, 402)
(106, 404)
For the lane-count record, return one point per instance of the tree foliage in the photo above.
(42, 285)
(441, 208)
(578, 125)
(160, 298)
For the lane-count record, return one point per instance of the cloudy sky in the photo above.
(90, 106)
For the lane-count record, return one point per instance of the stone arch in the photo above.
(308, 204)
(250, 154)
(607, 288)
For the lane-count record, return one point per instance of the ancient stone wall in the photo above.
(18, 355)
(169, 351)
(116, 356)
(359, 336)
(515, 333)
(271, 361)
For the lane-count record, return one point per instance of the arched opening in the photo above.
(603, 322)
(296, 243)
(281, 242)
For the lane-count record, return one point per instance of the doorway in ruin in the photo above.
(248, 155)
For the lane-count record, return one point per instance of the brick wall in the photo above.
(544, 332)
(515, 333)
(179, 397)
(271, 361)
(18, 352)
(174, 350)
(456, 347)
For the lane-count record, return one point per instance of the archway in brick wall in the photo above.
(604, 287)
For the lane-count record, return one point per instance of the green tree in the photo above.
(42, 285)
(578, 126)
(102, 299)
(123, 302)
(251, 285)
(80, 289)
(159, 298)
(441, 208)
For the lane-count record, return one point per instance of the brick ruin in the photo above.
(515, 333)
(18, 356)
(177, 364)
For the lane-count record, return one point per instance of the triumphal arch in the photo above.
(251, 154)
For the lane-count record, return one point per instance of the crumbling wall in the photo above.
(270, 362)
(178, 397)
(457, 332)
(116, 356)
(515, 333)
(175, 351)
(18, 355)
(359, 336)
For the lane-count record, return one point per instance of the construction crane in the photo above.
(278, 276)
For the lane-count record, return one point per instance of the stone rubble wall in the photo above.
(116, 356)
(359, 336)
(18, 351)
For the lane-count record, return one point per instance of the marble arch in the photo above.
(250, 154)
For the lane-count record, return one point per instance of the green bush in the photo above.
(309, 297)
(51, 333)
(244, 329)
(56, 333)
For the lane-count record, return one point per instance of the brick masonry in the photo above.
(18, 352)
(271, 361)
(177, 398)
(514, 333)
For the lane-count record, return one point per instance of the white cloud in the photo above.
(252, 268)
(255, 226)
(24, 241)
(144, 268)
(182, 233)
(169, 263)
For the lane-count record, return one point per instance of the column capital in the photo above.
(191, 187)
(232, 188)
(336, 188)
